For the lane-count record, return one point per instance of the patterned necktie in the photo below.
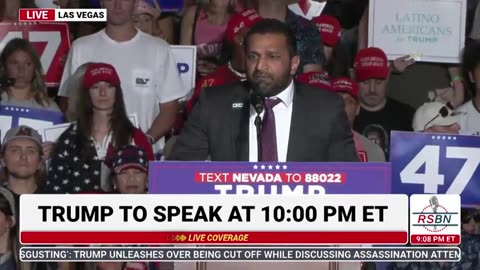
(269, 134)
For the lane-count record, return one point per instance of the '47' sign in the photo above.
(437, 164)
(50, 40)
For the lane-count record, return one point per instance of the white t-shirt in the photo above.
(469, 119)
(146, 67)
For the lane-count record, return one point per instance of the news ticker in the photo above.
(62, 15)
(241, 254)
(230, 219)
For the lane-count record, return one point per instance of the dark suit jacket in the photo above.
(219, 127)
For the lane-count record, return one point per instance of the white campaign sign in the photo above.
(427, 30)
(186, 57)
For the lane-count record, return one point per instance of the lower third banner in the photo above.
(268, 178)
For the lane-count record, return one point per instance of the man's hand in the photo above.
(400, 64)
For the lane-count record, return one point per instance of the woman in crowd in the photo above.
(20, 63)
(204, 25)
(145, 17)
(23, 84)
(84, 150)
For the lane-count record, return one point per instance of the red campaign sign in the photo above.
(51, 40)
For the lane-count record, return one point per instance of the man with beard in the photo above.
(298, 122)
(378, 114)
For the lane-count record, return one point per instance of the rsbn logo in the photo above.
(434, 217)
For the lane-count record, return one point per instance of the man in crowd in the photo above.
(470, 120)
(366, 149)
(378, 114)
(22, 160)
(234, 70)
(306, 33)
(146, 66)
(299, 122)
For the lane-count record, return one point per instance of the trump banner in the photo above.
(430, 31)
(50, 40)
(436, 164)
(38, 119)
(268, 178)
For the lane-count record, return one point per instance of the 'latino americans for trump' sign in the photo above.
(268, 178)
(430, 31)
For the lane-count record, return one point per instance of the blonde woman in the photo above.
(19, 61)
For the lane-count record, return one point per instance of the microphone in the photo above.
(258, 104)
(6, 82)
(434, 204)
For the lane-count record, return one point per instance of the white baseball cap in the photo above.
(434, 114)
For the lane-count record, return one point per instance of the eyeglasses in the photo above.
(443, 112)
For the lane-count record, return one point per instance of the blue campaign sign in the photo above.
(269, 178)
(436, 163)
(39, 119)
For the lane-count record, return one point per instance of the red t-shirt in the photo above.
(223, 75)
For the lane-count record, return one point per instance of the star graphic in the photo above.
(140, 160)
(255, 167)
(87, 181)
(65, 153)
(96, 187)
(77, 189)
(96, 172)
(85, 166)
(65, 181)
(56, 188)
(75, 159)
(67, 141)
(60, 168)
(263, 167)
(277, 167)
(76, 174)
(270, 167)
(285, 167)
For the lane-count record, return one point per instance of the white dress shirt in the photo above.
(283, 118)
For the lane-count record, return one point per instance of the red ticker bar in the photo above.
(214, 237)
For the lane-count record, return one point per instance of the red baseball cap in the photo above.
(100, 72)
(371, 63)
(318, 79)
(244, 19)
(330, 29)
(345, 85)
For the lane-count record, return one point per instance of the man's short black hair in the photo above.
(273, 26)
